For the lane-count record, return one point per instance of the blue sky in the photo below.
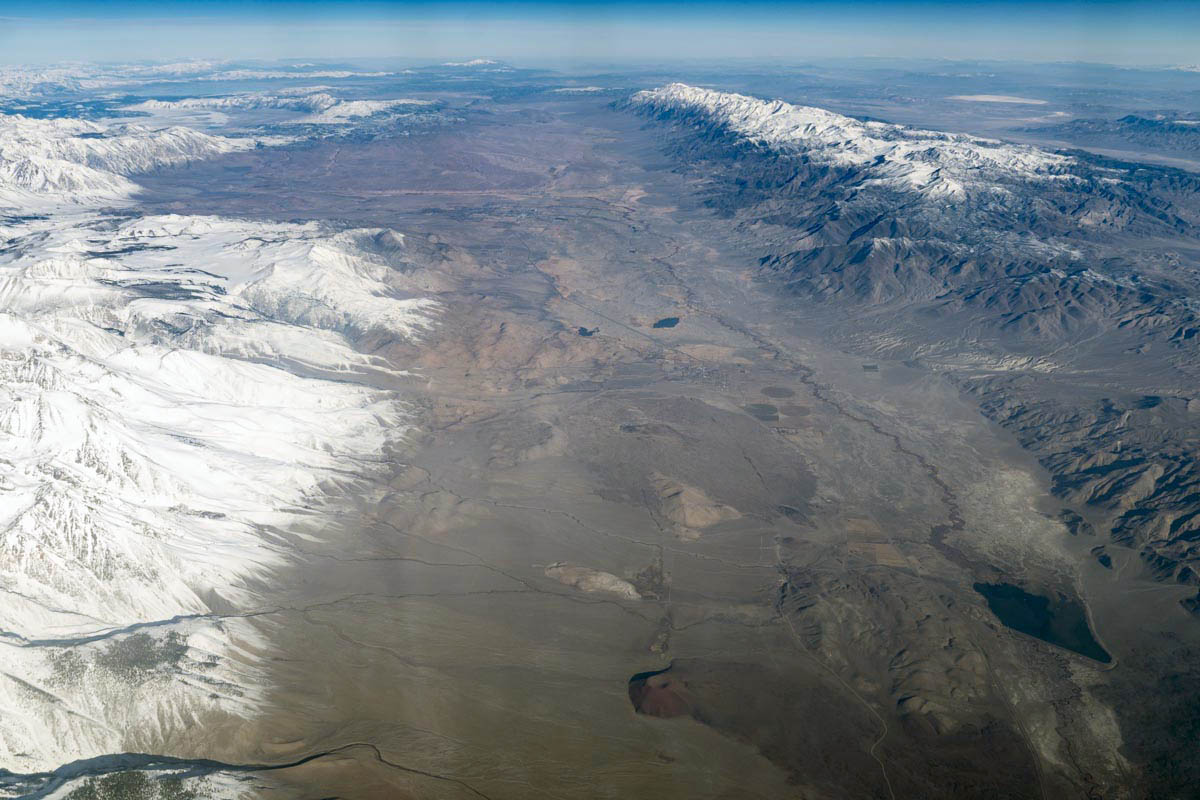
(1139, 33)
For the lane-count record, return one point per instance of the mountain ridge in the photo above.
(1038, 254)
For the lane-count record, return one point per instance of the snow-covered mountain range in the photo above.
(176, 392)
(33, 82)
(70, 161)
(320, 106)
(931, 162)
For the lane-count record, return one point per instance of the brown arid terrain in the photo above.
(657, 532)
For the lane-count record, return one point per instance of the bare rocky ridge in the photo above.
(1175, 133)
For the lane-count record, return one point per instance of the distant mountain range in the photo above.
(1174, 134)
(78, 162)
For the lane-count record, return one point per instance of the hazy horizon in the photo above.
(1119, 33)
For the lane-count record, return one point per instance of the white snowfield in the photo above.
(57, 161)
(936, 164)
(172, 400)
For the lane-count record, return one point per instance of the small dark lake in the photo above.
(666, 322)
(763, 412)
(1062, 622)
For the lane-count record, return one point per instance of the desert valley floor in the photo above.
(632, 459)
